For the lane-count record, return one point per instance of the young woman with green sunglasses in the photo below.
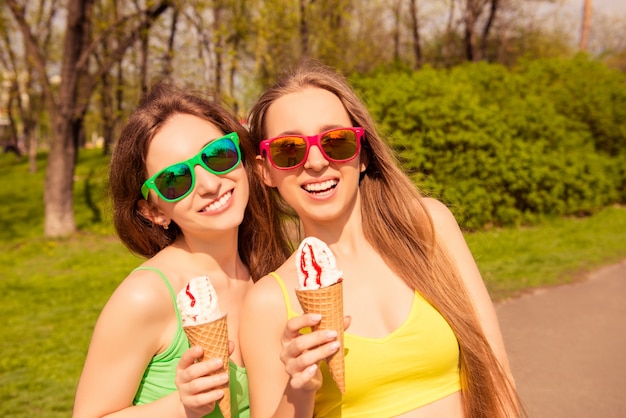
(185, 198)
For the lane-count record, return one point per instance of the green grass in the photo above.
(558, 251)
(53, 290)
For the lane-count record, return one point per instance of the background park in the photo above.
(512, 112)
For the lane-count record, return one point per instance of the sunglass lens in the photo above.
(340, 144)
(287, 151)
(174, 182)
(220, 155)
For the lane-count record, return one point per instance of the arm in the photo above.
(135, 324)
(282, 364)
(450, 234)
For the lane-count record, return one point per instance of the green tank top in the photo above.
(158, 379)
(419, 364)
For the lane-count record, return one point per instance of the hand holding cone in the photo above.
(206, 326)
(321, 291)
(213, 338)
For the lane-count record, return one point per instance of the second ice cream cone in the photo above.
(213, 338)
(328, 301)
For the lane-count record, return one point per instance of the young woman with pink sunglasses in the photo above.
(423, 338)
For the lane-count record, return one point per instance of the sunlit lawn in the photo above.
(51, 291)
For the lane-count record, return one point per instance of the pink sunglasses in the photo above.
(291, 151)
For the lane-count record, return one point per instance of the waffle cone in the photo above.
(328, 301)
(213, 338)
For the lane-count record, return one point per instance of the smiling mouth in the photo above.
(219, 203)
(319, 188)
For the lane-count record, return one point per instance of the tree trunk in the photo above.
(470, 35)
(586, 26)
(417, 48)
(58, 191)
(492, 17)
(168, 56)
(304, 29)
(449, 38)
(219, 52)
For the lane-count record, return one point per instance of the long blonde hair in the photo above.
(403, 233)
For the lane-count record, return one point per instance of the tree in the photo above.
(417, 48)
(586, 26)
(472, 14)
(25, 97)
(67, 107)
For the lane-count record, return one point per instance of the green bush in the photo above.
(500, 146)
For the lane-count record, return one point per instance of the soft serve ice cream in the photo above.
(316, 265)
(197, 302)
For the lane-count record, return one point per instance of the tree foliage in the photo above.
(506, 147)
(72, 70)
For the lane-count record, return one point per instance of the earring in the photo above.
(166, 225)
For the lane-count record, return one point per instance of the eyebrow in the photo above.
(321, 129)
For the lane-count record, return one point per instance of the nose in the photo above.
(316, 159)
(206, 183)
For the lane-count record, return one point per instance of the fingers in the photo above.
(189, 370)
(205, 385)
(347, 320)
(309, 379)
(302, 356)
(200, 384)
(189, 357)
(302, 352)
(295, 325)
(199, 396)
(311, 347)
(297, 359)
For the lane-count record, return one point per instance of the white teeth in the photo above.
(219, 203)
(318, 187)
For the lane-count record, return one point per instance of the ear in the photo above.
(363, 161)
(151, 212)
(265, 172)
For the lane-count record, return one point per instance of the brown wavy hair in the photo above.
(402, 231)
(260, 248)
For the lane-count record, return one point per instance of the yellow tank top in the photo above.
(415, 365)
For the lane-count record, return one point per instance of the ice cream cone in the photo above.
(328, 301)
(213, 338)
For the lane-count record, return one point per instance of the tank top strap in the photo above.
(290, 312)
(169, 287)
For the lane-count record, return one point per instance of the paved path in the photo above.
(567, 347)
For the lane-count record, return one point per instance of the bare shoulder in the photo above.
(143, 295)
(442, 217)
(266, 293)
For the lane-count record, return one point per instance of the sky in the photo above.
(608, 16)
(605, 6)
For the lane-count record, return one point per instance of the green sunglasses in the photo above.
(175, 182)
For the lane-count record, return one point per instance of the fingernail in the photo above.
(316, 317)
(334, 345)
(331, 334)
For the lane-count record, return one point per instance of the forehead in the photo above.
(179, 138)
(306, 112)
